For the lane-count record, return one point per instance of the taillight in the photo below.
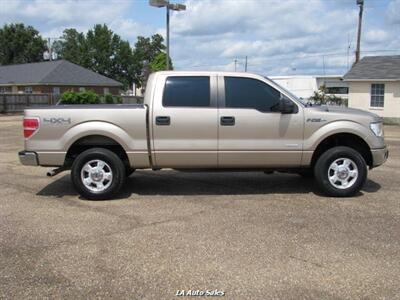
(31, 125)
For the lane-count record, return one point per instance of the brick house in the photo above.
(54, 78)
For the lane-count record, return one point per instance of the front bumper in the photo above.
(379, 156)
(28, 158)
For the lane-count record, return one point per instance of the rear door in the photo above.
(252, 132)
(185, 121)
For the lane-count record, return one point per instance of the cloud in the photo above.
(66, 13)
(377, 36)
(279, 37)
(55, 16)
(129, 29)
(273, 34)
(393, 12)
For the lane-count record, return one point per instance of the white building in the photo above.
(375, 86)
(304, 86)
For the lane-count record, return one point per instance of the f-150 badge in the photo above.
(315, 120)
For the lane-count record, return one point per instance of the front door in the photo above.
(252, 132)
(185, 122)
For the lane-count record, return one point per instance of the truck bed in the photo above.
(63, 125)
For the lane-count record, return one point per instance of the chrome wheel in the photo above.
(96, 175)
(343, 173)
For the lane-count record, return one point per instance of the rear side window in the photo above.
(250, 93)
(192, 91)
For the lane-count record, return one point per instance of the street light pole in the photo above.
(168, 6)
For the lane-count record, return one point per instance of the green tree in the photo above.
(145, 53)
(72, 47)
(322, 97)
(106, 53)
(20, 44)
(159, 63)
(100, 50)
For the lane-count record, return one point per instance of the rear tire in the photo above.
(340, 172)
(98, 174)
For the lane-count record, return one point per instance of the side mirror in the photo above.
(286, 106)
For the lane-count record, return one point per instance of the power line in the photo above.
(314, 55)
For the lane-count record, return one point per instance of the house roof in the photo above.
(375, 68)
(60, 72)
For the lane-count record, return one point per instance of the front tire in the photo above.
(98, 174)
(340, 172)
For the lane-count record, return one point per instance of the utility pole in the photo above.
(235, 64)
(360, 3)
(348, 49)
(323, 63)
(167, 37)
(50, 49)
(245, 64)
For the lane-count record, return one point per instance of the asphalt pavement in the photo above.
(245, 235)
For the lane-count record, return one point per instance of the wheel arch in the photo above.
(347, 139)
(95, 141)
(96, 134)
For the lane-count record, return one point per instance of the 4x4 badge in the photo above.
(56, 121)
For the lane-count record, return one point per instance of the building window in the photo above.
(81, 89)
(4, 89)
(337, 90)
(56, 90)
(377, 94)
(106, 90)
(28, 90)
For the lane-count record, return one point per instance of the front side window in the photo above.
(187, 91)
(377, 95)
(251, 93)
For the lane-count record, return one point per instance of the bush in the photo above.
(109, 99)
(88, 97)
(69, 98)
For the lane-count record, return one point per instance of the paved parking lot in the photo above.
(249, 235)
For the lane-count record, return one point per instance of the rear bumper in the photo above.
(28, 158)
(379, 156)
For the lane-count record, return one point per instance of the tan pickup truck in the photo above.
(209, 121)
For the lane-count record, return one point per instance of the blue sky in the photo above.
(279, 37)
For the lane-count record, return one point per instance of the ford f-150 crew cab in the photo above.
(205, 120)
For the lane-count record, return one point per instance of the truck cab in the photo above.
(223, 120)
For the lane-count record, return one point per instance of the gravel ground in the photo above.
(248, 235)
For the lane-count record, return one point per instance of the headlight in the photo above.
(377, 128)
